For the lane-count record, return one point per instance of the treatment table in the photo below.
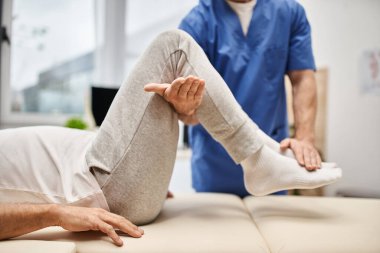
(223, 223)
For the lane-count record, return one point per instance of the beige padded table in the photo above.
(32, 246)
(194, 223)
(317, 224)
(208, 223)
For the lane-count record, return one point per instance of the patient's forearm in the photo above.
(18, 219)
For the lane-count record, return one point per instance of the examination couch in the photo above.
(219, 223)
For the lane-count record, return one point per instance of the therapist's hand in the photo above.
(304, 151)
(184, 94)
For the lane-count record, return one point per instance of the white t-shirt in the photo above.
(244, 12)
(47, 165)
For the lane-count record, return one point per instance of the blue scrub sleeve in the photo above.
(300, 55)
(193, 24)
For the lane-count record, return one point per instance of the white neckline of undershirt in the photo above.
(244, 11)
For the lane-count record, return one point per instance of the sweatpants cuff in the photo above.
(243, 142)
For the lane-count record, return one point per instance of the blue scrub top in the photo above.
(253, 66)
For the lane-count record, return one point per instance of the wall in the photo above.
(144, 24)
(342, 31)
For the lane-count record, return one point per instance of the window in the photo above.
(51, 57)
(58, 48)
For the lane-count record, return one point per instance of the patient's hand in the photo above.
(185, 94)
(82, 219)
(19, 219)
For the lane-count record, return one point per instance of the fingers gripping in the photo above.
(306, 157)
(184, 94)
(199, 93)
(176, 85)
(193, 90)
(184, 89)
(298, 153)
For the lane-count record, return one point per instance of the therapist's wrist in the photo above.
(309, 139)
(188, 119)
(305, 135)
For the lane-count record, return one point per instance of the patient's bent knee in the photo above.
(137, 211)
(173, 35)
(142, 216)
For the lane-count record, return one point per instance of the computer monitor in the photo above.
(101, 99)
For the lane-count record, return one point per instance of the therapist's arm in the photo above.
(19, 219)
(304, 90)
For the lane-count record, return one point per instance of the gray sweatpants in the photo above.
(133, 154)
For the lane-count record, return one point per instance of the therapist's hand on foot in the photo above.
(184, 93)
(304, 151)
(83, 219)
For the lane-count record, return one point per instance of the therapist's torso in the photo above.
(253, 66)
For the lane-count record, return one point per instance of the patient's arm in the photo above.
(19, 219)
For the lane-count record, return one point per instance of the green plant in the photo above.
(77, 123)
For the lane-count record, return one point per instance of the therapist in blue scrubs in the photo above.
(253, 44)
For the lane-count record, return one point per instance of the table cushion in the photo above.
(29, 246)
(317, 224)
(189, 223)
